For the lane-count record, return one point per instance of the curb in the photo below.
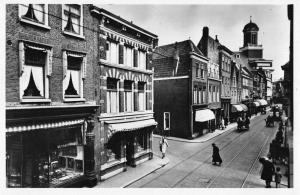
(201, 141)
(135, 180)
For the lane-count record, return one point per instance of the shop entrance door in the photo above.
(129, 150)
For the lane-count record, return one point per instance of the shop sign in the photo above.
(69, 151)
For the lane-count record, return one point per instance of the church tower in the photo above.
(250, 48)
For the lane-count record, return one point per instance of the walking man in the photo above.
(216, 156)
(267, 171)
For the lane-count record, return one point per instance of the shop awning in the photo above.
(50, 125)
(129, 126)
(236, 108)
(256, 104)
(204, 115)
(245, 108)
(262, 102)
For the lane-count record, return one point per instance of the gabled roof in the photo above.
(183, 47)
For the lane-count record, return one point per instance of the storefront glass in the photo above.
(44, 158)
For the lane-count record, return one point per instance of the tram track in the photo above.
(207, 160)
(197, 152)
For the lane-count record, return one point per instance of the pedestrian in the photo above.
(163, 145)
(216, 156)
(278, 177)
(247, 122)
(267, 171)
(222, 124)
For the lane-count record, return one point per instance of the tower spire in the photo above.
(250, 19)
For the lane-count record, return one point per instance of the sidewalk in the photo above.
(134, 174)
(208, 136)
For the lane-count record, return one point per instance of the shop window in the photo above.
(35, 14)
(141, 142)
(112, 98)
(167, 121)
(128, 96)
(74, 65)
(72, 19)
(142, 96)
(35, 68)
(113, 148)
(46, 158)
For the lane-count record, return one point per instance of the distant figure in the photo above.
(163, 145)
(222, 124)
(247, 122)
(278, 177)
(216, 156)
(267, 171)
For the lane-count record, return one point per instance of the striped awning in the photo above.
(204, 115)
(129, 126)
(236, 108)
(49, 125)
(245, 108)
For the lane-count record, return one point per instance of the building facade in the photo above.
(180, 85)
(210, 48)
(50, 104)
(124, 93)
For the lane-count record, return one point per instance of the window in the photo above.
(129, 56)
(204, 94)
(128, 95)
(112, 99)
(142, 60)
(142, 95)
(35, 67)
(202, 72)
(197, 70)
(112, 52)
(74, 65)
(166, 120)
(195, 94)
(36, 14)
(209, 94)
(72, 22)
(200, 95)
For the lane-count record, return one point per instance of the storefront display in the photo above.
(44, 158)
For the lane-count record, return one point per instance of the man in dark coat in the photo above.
(267, 171)
(216, 156)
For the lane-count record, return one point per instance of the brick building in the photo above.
(180, 85)
(50, 102)
(124, 91)
(210, 48)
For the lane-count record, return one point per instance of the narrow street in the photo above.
(190, 163)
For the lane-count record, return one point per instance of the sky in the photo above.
(181, 22)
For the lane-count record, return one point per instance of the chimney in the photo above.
(217, 40)
(204, 41)
(205, 31)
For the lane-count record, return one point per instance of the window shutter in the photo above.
(65, 64)
(102, 48)
(49, 62)
(121, 54)
(21, 58)
(135, 58)
(83, 68)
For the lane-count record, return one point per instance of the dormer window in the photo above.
(35, 14)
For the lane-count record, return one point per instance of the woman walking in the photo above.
(163, 145)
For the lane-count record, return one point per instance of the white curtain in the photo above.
(113, 53)
(38, 76)
(141, 100)
(129, 56)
